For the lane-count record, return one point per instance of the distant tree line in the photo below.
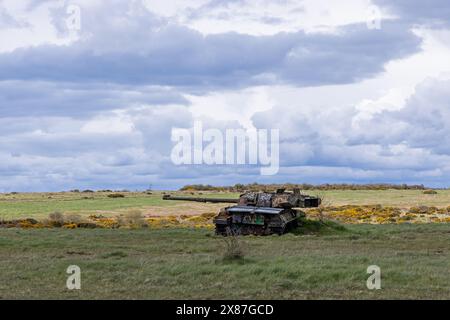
(304, 186)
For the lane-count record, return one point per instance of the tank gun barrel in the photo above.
(210, 200)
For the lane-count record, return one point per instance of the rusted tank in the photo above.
(259, 213)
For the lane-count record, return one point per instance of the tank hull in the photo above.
(246, 220)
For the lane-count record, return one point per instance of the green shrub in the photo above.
(72, 218)
(116, 195)
(307, 226)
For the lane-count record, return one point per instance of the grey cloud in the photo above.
(145, 50)
(434, 13)
(43, 98)
(41, 153)
(155, 126)
(65, 144)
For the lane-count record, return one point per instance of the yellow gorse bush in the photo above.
(377, 214)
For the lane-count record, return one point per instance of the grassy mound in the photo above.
(317, 227)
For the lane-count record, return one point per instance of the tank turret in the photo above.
(279, 199)
(259, 213)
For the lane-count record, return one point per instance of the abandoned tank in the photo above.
(258, 213)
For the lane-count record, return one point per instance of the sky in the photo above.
(90, 91)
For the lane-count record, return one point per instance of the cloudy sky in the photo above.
(360, 90)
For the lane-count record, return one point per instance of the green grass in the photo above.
(175, 263)
(319, 227)
(41, 204)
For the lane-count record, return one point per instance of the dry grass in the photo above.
(56, 219)
(234, 247)
(132, 219)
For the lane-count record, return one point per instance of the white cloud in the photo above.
(33, 26)
(238, 105)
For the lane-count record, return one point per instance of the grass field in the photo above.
(155, 263)
(185, 264)
(39, 205)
